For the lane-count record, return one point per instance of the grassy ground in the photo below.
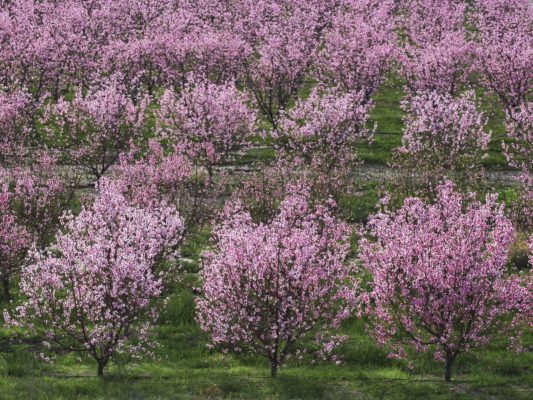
(388, 116)
(187, 370)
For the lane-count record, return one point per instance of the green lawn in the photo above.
(387, 114)
(187, 370)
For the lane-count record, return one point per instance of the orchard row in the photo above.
(151, 100)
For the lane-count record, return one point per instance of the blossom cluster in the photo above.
(94, 288)
(268, 286)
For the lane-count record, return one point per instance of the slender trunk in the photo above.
(274, 369)
(448, 368)
(6, 295)
(101, 366)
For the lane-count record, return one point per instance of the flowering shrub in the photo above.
(268, 287)
(442, 136)
(94, 289)
(439, 276)
(95, 128)
(207, 121)
(324, 128)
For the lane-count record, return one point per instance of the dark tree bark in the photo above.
(274, 369)
(448, 367)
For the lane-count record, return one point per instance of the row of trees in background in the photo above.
(150, 99)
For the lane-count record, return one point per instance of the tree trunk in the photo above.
(274, 369)
(6, 295)
(448, 368)
(101, 366)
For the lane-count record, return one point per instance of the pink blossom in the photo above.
(359, 48)
(505, 49)
(439, 275)
(207, 121)
(269, 287)
(443, 135)
(94, 288)
(95, 128)
(325, 126)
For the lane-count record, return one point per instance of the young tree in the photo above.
(41, 192)
(207, 121)
(519, 153)
(14, 242)
(93, 290)
(436, 55)
(429, 21)
(15, 118)
(159, 177)
(439, 276)
(442, 136)
(97, 127)
(442, 66)
(519, 124)
(325, 128)
(262, 191)
(505, 49)
(283, 39)
(268, 287)
(359, 48)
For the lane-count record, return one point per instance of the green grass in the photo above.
(387, 114)
(186, 369)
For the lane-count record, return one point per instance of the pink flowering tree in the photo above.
(325, 128)
(436, 55)
(283, 38)
(442, 66)
(209, 122)
(269, 287)
(359, 48)
(14, 242)
(96, 127)
(439, 276)
(430, 21)
(443, 135)
(149, 179)
(262, 192)
(40, 193)
(519, 153)
(173, 45)
(505, 49)
(93, 291)
(160, 176)
(519, 125)
(15, 121)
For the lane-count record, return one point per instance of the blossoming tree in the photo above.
(268, 287)
(207, 121)
(439, 276)
(93, 290)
